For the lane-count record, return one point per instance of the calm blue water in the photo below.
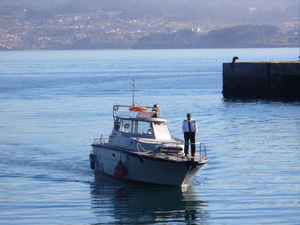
(54, 103)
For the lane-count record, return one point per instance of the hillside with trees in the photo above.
(232, 37)
(88, 24)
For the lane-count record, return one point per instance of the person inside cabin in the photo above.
(155, 109)
(189, 128)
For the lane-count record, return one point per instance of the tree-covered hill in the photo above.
(232, 37)
(73, 24)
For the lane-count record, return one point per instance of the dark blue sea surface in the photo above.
(54, 103)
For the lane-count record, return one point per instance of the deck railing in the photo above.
(202, 151)
(100, 141)
(176, 147)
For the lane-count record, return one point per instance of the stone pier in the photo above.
(267, 80)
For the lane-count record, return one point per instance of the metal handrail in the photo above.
(100, 141)
(202, 145)
(202, 148)
(116, 108)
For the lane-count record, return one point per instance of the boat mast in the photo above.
(133, 86)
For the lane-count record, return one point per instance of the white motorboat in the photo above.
(140, 150)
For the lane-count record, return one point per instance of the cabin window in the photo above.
(161, 131)
(126, 126)
(142, 127)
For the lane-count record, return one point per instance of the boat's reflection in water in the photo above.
(116, 203)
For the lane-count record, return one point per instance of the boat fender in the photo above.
(92, 161)
(120, 171)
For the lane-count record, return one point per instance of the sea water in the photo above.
(54, 103)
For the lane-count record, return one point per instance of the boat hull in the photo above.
(142, 168)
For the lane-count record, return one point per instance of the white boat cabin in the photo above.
(143, 125)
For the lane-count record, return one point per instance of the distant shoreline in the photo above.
(72, 49)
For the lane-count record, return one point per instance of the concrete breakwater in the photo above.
(271, 80)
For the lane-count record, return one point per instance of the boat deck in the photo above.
(175, 157)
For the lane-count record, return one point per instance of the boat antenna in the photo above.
(299, 34)
(133, 87)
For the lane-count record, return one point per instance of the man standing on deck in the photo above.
(189, 128)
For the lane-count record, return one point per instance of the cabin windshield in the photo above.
(161, 130)
(134, 127)
(142, 127)
(158, 130)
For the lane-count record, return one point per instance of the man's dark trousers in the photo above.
(189, 136)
